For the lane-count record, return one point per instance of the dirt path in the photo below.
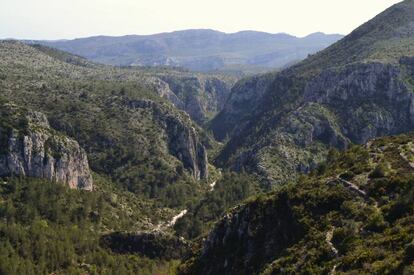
(212, 186)
(355, 189)
(172, 222)
(349, 185)
(328, 239)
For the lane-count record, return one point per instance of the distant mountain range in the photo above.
(201, 50)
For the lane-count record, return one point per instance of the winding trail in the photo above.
(172, 222)
(328, 239)
(176, 218)
(349, 185)
(355, 189)
(333, 270)
(212, 186)
(335, 252)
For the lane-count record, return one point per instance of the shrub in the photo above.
(378, 172)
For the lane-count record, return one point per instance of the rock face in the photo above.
(183, 140)
(357, 89)
(370, 100)
(336, 107)
(38, 151)
(244, 97)
(248, 237)
(200, 96)
(163, 90)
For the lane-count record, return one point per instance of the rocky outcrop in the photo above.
(369, 100)
(336, 107)
(200, 96)
(163, 90)
(248, 237)
(244, 97)
(35, 150)
(185, 145)
(182, 138)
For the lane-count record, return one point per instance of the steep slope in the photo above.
(201, 50)
(129, 133)
(359, 88)
(201, 96)
(245, 96)
(354, 215)
(29, 147)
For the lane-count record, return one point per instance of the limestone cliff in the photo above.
(29, 147)
(244, 97)
(200, 96)
(183, 140)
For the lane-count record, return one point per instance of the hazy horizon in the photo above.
(56, 20)
(207, 29)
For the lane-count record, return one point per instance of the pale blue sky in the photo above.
(58, 19)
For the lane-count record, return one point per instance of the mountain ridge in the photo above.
(274, 132)
(197, 49)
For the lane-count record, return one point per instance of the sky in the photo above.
(68, 19)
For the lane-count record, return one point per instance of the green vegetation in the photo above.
(230, 190)
(48, 228)
(356, 213)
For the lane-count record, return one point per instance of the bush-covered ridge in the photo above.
(354, 214)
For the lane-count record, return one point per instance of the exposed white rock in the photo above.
(41, 152)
